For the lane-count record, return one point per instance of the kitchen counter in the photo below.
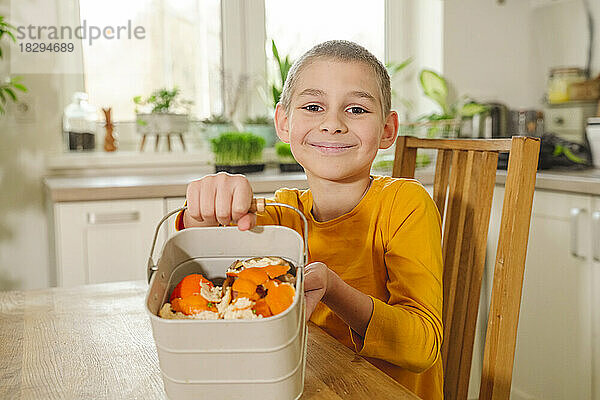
(64, 189)
(148, 186)
(95, 342)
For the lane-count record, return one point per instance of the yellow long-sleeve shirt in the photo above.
(389, 247)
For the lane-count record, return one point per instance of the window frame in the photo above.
(244, 29)
(243, 37)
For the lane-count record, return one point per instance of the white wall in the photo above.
(24, 143)
(413, 29)
(504, 51)
(489, 52)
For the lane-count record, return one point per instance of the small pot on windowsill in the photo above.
(289, 165)
(240, 169)
(162, 123)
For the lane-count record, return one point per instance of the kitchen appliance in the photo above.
(568, 120)
(496, 125)
(233, 359)
(502, 122)
(593, 136)
(525, 122)
(79, 124)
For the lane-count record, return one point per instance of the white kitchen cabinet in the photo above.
(554, 353)
(104, 241)
(553, 357)
(595, 284)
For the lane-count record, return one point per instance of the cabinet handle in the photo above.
(595, 234)
(575, 213)
(113, 218)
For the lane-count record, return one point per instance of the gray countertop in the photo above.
(87, 188)
(61, 189)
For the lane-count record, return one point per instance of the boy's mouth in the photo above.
(330, 147)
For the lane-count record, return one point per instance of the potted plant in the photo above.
(284, 66)
(238, 152)
(164, 112)
(216, 124)
(262, 126)
(447, 122)
(287, 162)
(9, 85)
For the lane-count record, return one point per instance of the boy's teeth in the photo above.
(331, 145)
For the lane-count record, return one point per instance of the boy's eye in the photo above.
(312, 107)
(357, 110)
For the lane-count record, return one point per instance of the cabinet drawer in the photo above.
(553, 204)
(104, 241)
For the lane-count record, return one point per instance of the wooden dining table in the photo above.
(95, 342)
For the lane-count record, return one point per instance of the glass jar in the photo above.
(79, 124)
(559, 81)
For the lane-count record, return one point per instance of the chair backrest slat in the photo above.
(440, 183)
(454, 224)
(463, 188)
(486, 183)
(459, 144)
(501, 336)
(408, 157)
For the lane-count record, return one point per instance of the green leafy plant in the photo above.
(284, 152)
(446, 122)
(10, 85)
(435, 87)
(284, 66)
(395, 68)
(237, 148)
(216, 119)
(259, 120)
(164, 101)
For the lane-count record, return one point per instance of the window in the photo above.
(298, 26)
(181, 47)
(316, 21)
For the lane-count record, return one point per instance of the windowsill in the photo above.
(123, 162)
(132, 162)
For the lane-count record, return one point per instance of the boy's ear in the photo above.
(390, 130)
(281, 124)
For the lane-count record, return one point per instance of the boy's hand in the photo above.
(316, 281)
(219, 199)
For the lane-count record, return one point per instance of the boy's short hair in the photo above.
(340, 50)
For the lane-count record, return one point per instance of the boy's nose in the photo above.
(332, 123)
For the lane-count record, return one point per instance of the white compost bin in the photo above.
(228, 359)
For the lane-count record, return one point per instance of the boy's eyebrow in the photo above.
(312, 92)
(354, 93)
(360, 93)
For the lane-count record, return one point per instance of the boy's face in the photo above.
(335, 124)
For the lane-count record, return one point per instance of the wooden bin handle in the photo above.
(258, 204)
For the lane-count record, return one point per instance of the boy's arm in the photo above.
(351, 305)
(407, 329)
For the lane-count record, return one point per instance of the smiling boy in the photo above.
(375, 268)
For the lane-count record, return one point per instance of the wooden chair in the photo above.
(465, 175)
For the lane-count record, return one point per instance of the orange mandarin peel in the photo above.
(259, 284)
